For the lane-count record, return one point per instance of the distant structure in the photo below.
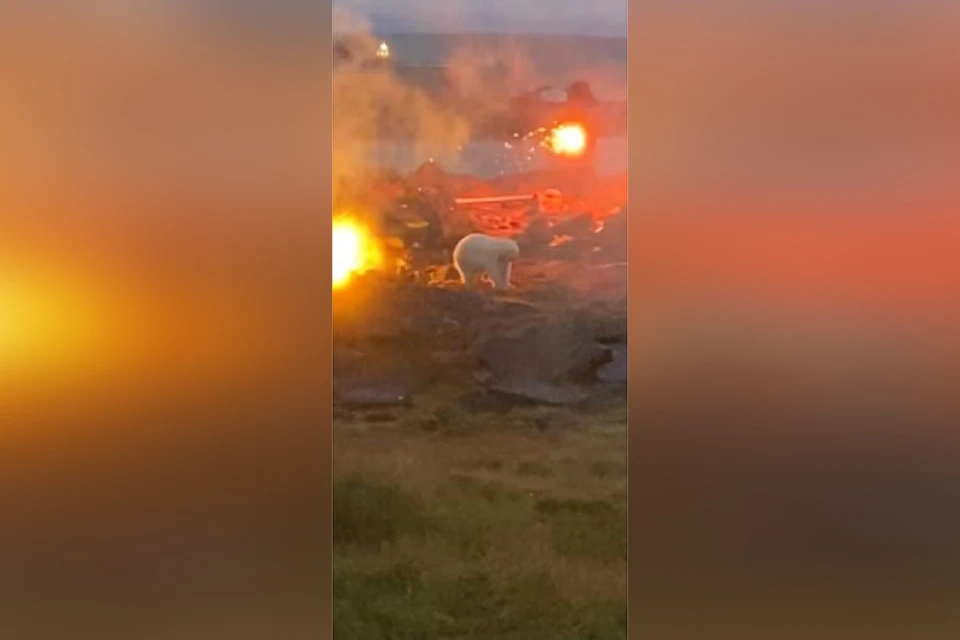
(353, 49)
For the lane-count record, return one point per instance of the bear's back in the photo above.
(482, 244)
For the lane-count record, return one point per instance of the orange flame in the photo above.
(355, 250)
(568, 139)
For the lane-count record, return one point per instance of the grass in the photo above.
(448, 525)
(369, 515)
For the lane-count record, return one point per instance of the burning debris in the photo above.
(569, 287)
(548, 200)
(564, 143)
(416, 222)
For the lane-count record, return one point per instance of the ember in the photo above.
(568, 140)
(560, 240)
(354, 250)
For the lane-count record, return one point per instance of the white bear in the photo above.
(477, 253)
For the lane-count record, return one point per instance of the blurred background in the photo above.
(793, 364)
(163, 319)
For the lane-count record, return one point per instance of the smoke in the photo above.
(346, 22)
(404, 117)
(369, 103)
(488, 76)
(496, 66)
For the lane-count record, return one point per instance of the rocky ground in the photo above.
(543, 344)
(558, 337)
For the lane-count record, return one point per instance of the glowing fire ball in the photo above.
(355, 250)
(568, 140)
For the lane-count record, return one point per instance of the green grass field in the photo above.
(457, 525)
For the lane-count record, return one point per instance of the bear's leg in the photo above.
(507, 273)
(470, 278)
(496, 273)
(465, 274)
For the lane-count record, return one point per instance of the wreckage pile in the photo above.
(420, 208)
(559, 338)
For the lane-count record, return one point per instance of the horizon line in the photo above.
(608, 36)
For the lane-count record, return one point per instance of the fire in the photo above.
(354, 250)
(568, 140)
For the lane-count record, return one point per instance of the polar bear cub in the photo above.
(477, 254)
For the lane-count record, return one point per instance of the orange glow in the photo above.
(50, 322)
(355, 250)
(568, 140)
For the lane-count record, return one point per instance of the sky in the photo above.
(588, 17)
(592, 17)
